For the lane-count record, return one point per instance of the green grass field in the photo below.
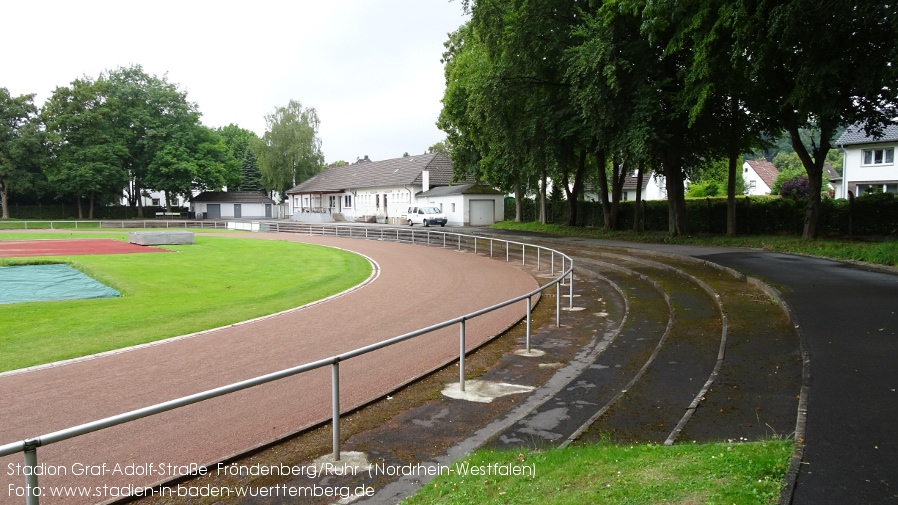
(213, 282)
(742, 473)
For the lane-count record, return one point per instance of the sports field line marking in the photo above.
(375, 273)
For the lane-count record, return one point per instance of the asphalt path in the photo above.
(417, 286)
(847, 318)
(846, 315)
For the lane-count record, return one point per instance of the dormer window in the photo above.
(879, 156)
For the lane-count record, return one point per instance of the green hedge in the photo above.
(59, 211)
(873, 215)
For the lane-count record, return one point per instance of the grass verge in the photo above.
(743, 473)
(874, 252)
(214, 282)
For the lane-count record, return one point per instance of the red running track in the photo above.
(73, 247)
(418, 286)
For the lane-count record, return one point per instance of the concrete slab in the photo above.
(532, 353)
(483, 391)
(160, 237)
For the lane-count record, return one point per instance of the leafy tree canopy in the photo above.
(250, 175)
(290, 151)
(22, 153)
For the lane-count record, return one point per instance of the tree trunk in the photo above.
(618, 175)
(518, 202)
(90, 208)
(731, 195)
(573, 194)
(542, 196)
(637, 214)
(814, 168)
(603, 190)
(678, 224)
(80, 211)
(139, 196)
(4, 200)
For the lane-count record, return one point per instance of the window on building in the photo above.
(879, 156)
(752, 184)
(873, 189)
(332, 201)
(155, 202)
(453, 207)
(347, 201)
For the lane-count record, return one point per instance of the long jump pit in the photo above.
(70, 247)
(55, 282)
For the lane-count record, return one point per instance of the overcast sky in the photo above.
(371, 68)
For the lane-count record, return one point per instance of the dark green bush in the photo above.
(869, 215)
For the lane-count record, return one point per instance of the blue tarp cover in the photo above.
(37, 283)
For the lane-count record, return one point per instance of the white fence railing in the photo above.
(555, 261)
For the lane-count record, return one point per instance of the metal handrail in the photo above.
(29, 446)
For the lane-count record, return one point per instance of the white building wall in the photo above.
(855, 172)
(754, 184)
(247, 210)
(453, 206)
(654, 189)
(386, 203)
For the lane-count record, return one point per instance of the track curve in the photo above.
(418, 286)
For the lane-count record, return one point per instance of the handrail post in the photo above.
(335, 407)
(538, 265)
(558, 304)
(553, 263)
(475, 245)
(461, 355)
(528, 323)
(523, 254)
(570, 283)
(491, 248)
(32, 494)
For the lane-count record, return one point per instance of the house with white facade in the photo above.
(869, 161)
(157, 199)
(232, 205)
(468, 204)
(653, 188)
(759, 176)
(382, 191)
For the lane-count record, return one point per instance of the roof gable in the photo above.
(405, 171)
(461, 189)
(765, 170)
(232, 196)
(855, 134)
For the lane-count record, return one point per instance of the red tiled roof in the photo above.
(765, 170)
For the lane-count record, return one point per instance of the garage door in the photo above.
(482, 212)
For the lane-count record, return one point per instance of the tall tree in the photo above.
(88, 151)
(22, 153)
(250, 175)
(820, 64)
(291, 151)
(612, 89)
(439, 147)
(238, 140)
(155, 119)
